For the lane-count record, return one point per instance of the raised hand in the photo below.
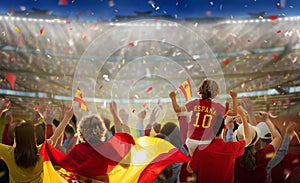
(172, 95)
(154, 114)
(49, 114)
(124, 116)
(141, 115)
(233, 94)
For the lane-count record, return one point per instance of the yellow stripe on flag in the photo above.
(139, 157)
(186, 89)
(50, 174)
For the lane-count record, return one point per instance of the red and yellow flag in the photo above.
(186, 89)
(141, 160)
(78, 98)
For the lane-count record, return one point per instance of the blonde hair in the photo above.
(91, 129)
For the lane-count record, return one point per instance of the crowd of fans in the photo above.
(237, 148)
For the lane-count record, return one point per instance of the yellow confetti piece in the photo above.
(147, 53)
(196, 24)
(144, 62)
(110, 87)
(152, 48)
(119, 66)
(270, 155)
(188, 61)
(153, 6)
(17, 30)
(57, 78)
(260, 57)
(260, 17)
(157, 8)
(67, 87)
(295, 161)
(155, 68)
(287, 76)
(123, 61)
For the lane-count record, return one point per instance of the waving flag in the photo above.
(141, 160)
(186, 89)
(78, 98)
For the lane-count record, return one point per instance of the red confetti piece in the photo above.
(226, 62)
(208, 13)
(148, 90)
(100, 87)
(273, 101)
(11, 78)
(271, 115)
(275, 57)
(133, 110)
(67, 50)
(157, 19)
(63, 2)
(145, 106)
(84, 38)
(249, 40)
(158, 102)
(20, 40)
(131, 44)
(272, 17)
(68, 21)
(278, 32)
(42, 31)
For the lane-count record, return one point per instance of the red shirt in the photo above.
(283, 172)
(259, 175)
(215, 163)
(204, 117)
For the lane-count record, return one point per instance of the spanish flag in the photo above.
(122, 159)
(186, 89)
(78, 98)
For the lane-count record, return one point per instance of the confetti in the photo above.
(42, 31)
(208, 13)
(226, 62)
(10, 57)
(100, 87)
(278, 32)
(271, 115)
(275, 57)
(19, 40)
(68, 21)
(63, 2)
(84, 38)
(145, 106)
(273, 17)
(11, 78)
(133, 110)
(131, 44)
(111, 3)
(148, 90)
(22, 8)
(17, 30)
(270, 155)
(295, 59)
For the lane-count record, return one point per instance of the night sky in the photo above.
(108, 9)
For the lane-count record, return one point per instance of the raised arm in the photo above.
(247, 134)
(233, 95)
(119, 126)
(276, 137)
(175, 105)
(247, 105)
(61, 127)
(4, 105)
